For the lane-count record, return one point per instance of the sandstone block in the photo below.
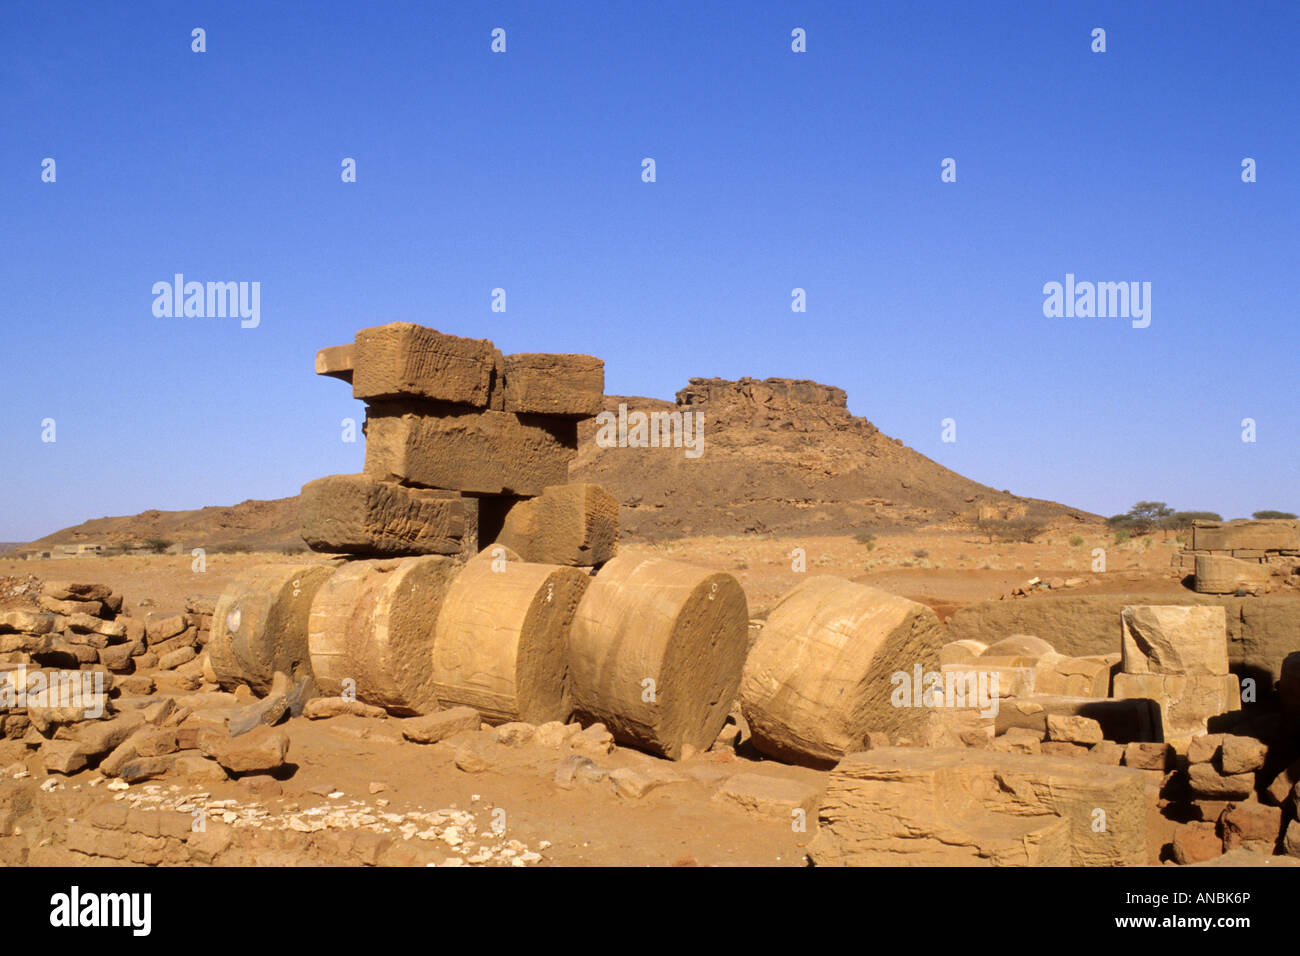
(25, 622)
(769, 796)
(948, 807)
(1186, 701)
(1276, 534)
(1218, 574)
(575, 524)
(432, 728)
(336, 361)
(1175, 639)
(562, 385)
(501, 641)
(260, 625)
(355, 514)
(1241, 754)
(484, 452)
(1196, 843)
(656, 651)
(821, 675)
(323, 707)
(1073, 729)
(1205, 781)
(373, 623)
(402, 359)
(258, 751)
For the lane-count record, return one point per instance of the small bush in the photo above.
(1076, 540)
(157, 545)
(865, 537)
(920, 553)
(1121, 535)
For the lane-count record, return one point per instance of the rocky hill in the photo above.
(779, 455)
(784, 456)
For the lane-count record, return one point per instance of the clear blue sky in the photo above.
(775, 170)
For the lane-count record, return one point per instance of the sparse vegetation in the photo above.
(1012, 529)
(867, 538)
(1076, 540)
(1266, 514)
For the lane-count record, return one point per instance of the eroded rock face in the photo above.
(954, 807)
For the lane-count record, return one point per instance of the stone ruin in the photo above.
(1242, 557)
(478, 599)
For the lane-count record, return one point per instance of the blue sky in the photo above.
(775, 170)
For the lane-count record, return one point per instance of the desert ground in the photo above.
(357, 768)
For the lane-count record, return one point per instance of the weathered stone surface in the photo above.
(147, 768)
(961, 652)
(173, 659)
(25, 622)
(336, 361)
(1251, 825)
(260, 625)
(120, 657)
(1261, 630)
(948, 807)
(257, 751)
(820, 676)
(1018, 740)
(373, 623)
(636, 782)
(563, 385)
(1206, 781)
(324, 707)
(1203, 748)
(1220, 574)
(355, 514)
(575, 524)
(1073, 729)
(1072, 676)
(85, 624)
(1282, 787)
(575, 768)
(76, 591)
(69, 608)
(432, 728)
(99, 737)
(159, 629)
(1241, 754)
(770, 796)
(1273, 534)
(681, 628)
(485, 452)
(402, 359)
(501, 641)
(1020, 645)
(1122, 720)
(1196, 843)
(1142, 755)
(62, 756)
(266, 712)
(156, 742)
(1171, 639)
(1186, 701)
